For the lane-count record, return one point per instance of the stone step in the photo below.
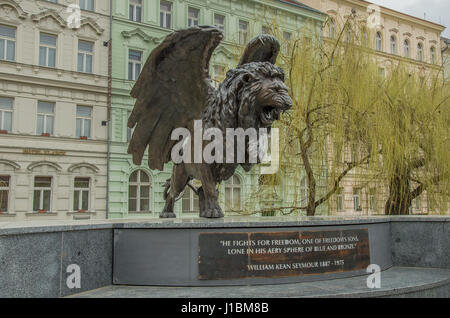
(395, 282)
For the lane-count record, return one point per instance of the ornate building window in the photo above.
(165, 14)
(81, 194)
(83, 121)
(379, 42)
(433, 55)
(87, 5)
(331, 29)
(372, 200)
(47, 50)
(139, 192)
(45, 118)
(219, 22)
(193, 16)
(406, 48)
(85, 56)
(6, 112)
(357, 199)
(287, 42)
(135, 13)
(7, 43)
(4, 193)
(243, 32)
(420, 52)
(393, 45)
(189, 202)
(42, 194)
(233, 191)
(134, 64)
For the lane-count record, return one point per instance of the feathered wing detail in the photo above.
(171, 91)
(263, 48)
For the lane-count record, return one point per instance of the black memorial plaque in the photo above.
(281, 254)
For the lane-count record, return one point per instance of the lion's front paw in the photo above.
(211, 209)
(167, 215)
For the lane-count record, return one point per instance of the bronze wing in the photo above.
(263, 48)
(171, 91)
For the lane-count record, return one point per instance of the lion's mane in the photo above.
(232, 105)
(228, 107)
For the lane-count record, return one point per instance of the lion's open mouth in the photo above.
(269, 115)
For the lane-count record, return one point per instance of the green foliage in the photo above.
(384, 121)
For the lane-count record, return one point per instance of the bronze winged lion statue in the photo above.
(174, 90)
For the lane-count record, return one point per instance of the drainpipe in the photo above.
(109, 105)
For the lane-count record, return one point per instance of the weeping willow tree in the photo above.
(386, 126)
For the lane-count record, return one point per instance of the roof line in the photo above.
(301, 5)
(405, 14)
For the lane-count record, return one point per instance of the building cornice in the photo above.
(399, 15)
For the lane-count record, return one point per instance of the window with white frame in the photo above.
(372, 200)
(233, 191)
(339, 200)
(4, 193)
(42, 194)
(243, 32)
(136, 10)
(364, 37)
(433, 55)
(81, 194)
(193, 16)
(287, 42)
(420, 51)
(85, 56)
(134, 64)
(379, 42)
(219, 22)
(47, 50)
(189, 201)
(6, 112)
(406, 48)
(139, 192)
(357, 199)
(87, 5)
(393, 45)
(331, 28)
(7, 43)
(165, 14)
(83, 121)
(45, 118)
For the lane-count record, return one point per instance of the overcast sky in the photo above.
(436, 10)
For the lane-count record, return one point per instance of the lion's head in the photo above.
(253, 96)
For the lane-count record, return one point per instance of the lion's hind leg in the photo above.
(177, 184)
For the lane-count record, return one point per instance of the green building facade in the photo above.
(138, 26)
